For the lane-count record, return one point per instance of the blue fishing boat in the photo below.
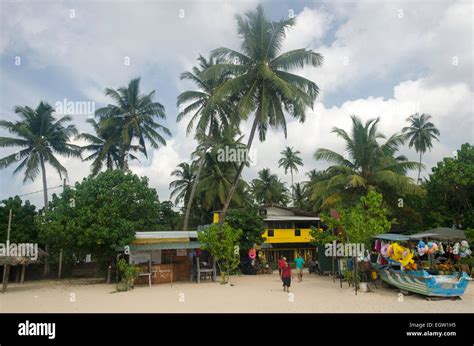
(422, 282)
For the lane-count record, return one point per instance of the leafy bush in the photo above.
(223, 246)
(128, 273)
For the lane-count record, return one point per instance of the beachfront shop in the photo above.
(435, 263)
(166, 257)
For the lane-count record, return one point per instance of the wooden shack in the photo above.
(16, 261)
(163, 257)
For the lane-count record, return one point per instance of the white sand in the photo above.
(261, 293)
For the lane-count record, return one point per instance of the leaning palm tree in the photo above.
(134, 115)
(183, 185)
(368, 165)
(420, 134)
(104, 148)
(208, 113)
(290, 161)
(41, 137)
(262, 78)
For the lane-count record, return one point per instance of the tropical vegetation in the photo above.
(369, 184)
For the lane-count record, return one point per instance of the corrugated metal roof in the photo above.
(165, 234)
(295, 211)
(164, 246)
(392, 237)
(441, 233)
(291, 218)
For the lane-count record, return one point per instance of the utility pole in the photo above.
(9, 225)
(61, 252)
(6, 267)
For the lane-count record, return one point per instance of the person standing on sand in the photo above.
(299, 261)
(286, 277)
(281, 265)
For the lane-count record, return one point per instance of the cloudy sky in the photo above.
(386, 59)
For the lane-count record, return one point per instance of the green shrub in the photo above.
(128, 273)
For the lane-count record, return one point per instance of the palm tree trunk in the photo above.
(45, 196)
(419, 170)
(109, 163)
(194, 188)
(237, 176)
(292, 188)
(193, 192)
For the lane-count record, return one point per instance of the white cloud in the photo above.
(443, 103)
(365, 45)
(387, 41)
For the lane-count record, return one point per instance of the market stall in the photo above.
(402, 266)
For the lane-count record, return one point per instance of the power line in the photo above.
(31, 193)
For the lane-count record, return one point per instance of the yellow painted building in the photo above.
(287, 232)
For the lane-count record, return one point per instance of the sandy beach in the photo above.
(261, 293)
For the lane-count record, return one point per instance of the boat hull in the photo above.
(423, 283)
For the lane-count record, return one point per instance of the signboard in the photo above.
(140, 257)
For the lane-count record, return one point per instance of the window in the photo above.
(167, 256)
(297, 232)
(271, 233)
(263, 211)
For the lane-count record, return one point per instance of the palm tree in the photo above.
(300, 197)
(420, 134)
(262, 81)
(104, 147)
(134, 116)
(314, 177)
(216, 182)
(291, 161)
(268, 189)
(368, 165)
(210, 113)
(205, 108)
(218, 170)
(41, 138)
(183, 185)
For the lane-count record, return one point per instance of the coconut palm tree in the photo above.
(41, 137)
(207, 112)
(314, 177)
(420, 134)
(183, 185)
(216, 182)
(219, 170)
(368, 165)
(267, 188)
(262, 79)
(290, 161)
(104, 147)
(300, 197)
(134, 115)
